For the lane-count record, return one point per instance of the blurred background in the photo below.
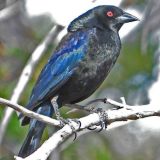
(24, 24)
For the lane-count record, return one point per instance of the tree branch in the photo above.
(29, 113)
(60, 136)
(124, 114)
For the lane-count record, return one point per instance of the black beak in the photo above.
(126, 17)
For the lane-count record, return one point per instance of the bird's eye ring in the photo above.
(109, 14)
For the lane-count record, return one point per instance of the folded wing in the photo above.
(59, 68)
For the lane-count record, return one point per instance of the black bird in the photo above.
(78, 66)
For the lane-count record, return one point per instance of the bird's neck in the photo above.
(107, 35)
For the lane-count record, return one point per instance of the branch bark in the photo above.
(93, 119)
(29, 113)
(124, 114)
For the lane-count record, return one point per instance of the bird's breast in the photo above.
(101, 55)
(94, 68)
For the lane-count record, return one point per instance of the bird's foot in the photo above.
(103, 119)
(69, 122)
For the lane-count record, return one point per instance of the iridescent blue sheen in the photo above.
(60, 67)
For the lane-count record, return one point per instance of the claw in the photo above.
(75, 135)
(92, 129)
(105, 125)
(105, 100)
(103, 120)
(74, 131)
(68, 121)
(78, 122)
(79, 125)
(102, 126)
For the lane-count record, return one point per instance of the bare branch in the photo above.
(27, 73)
(123, 114)
(93, 119)
(29, 113)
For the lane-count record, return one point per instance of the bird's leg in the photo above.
(56, 108)
(61, 119)
(57, 113)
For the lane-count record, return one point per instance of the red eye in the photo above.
(109, 14)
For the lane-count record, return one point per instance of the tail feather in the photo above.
(32, 141)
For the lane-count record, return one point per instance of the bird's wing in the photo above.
(59, 68)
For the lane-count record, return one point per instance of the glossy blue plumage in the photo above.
(59, 68)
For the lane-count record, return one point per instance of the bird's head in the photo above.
(102, 17)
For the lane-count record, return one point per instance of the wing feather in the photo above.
(59, 68)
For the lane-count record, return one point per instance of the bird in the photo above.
(77, 67)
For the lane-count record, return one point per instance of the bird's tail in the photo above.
(36, 129)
